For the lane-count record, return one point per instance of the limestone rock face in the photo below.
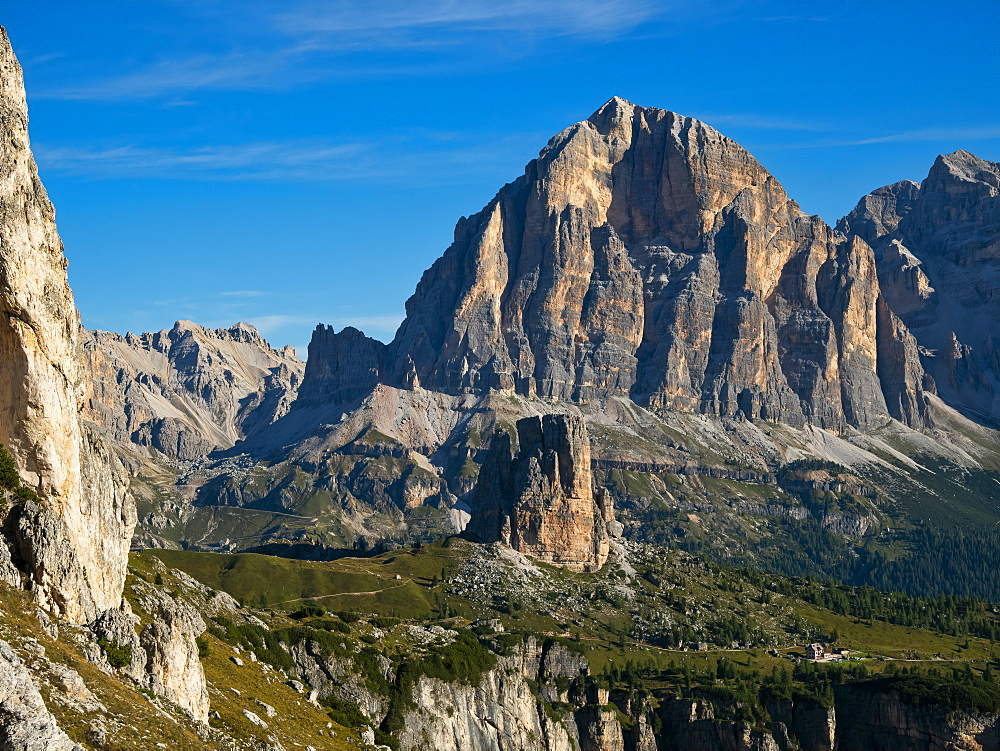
(542, 502)
(8, 571)
(341, 366)
(25, 722)
(190, 390)
(76, 542)
(879, 213)
(497, 715)
(868, 718)
(172, 664)
(501, 712)
(937, 247)
(644, 254)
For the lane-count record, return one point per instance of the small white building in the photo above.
(815, 652)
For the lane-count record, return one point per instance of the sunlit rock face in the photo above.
(75, 542)
(542, 501)
(645, 254)
(937, 246)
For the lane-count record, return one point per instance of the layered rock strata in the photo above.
(937, 246)
(74, 543)
(542, 501)
(190, 390)
(644, 254)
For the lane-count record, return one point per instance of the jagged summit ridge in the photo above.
(646, 255)
(190, 390)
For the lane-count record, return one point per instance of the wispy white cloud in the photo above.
(403, 159)
(42, 59)
(371, 323)
(243, 293)
(271, 160)
(311, 40)
(560, 17)
(763, 122)
(236, 70)
(269, 324)
(382, 327)
(929, 134)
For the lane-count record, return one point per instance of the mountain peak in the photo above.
(616, 103)
(966, 166)
(612, 113)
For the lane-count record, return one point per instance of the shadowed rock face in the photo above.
(75, 542)
(542, 502)
(341, 366)
(937, 247)
(645, 254)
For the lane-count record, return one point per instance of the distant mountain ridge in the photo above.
(191, 390)
(644, 254)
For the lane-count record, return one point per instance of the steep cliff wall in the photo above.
(542, 502)
(938, 251)
(341, 367)
(540, 696)
(645, 254)
(75, 541)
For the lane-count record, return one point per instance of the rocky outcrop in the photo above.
(862, 716)
(498, 714)
(871, 717)
(25, 722)
(172, 665)
(8, 571)
(330, 675)
(644, 254)
(190, 390)
(502, 713)
(75, 541)
(165, 656)
(542, 502)
(879, 213)
(341, 367)
(937, 246)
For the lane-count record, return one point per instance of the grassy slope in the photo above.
(134, 719)
(144, 721)
(603, 628)
(298, 723)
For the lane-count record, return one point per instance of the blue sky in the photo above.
(295, 162)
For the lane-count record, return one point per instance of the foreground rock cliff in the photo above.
(74, 542)
(66, 516)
